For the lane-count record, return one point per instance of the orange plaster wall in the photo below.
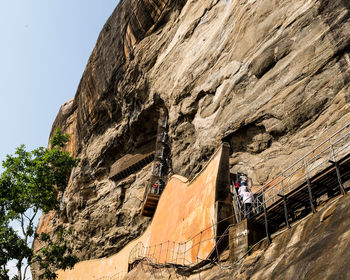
(184, 210)
(105, 267)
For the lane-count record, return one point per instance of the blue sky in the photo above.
(45, 45)
(44, 48)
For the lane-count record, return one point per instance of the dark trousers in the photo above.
(248, 209)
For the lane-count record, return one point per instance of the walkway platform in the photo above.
(326, 181)
(150, 205)
(133, 162)
(130, 164)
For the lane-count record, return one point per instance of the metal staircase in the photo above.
(161, 166)
(320, 172)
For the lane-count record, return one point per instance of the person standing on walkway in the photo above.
(155, 188)
(246, 196)
(247, 199)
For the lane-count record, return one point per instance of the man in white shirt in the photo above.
(247, 199)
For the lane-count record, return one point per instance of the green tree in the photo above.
(55, 254)
(30, 183)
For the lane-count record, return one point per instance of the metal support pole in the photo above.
(154, 252)
(199, 244)
(285, 209)
(166, 256)
(178, 251)
(184, 254)
(172, 257)
(309, 187)
(160, 251)
(266, 225)
(310, 195)
(337, 169)
(217, 250)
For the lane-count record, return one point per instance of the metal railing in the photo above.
(202, 247)
(318, 159)
(160, 163)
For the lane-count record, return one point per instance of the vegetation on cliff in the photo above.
(31, 182)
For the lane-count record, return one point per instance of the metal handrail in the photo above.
(176, 253)
(301, 159)
(176, 249)
(269, 192)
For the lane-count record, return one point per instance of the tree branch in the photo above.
(22, 225)
(35, 213)
(25, 271)
(24, 214)
(19, 268)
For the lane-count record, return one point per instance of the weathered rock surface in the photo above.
(270, 77)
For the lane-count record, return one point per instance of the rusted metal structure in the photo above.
(161, 166)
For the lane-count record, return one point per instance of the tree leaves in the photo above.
(57, 251)
(31, 181)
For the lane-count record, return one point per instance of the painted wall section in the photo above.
(186, 213)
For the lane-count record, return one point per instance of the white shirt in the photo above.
(242, 189)
(247, 197)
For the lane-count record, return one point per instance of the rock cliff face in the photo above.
(271, 77)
